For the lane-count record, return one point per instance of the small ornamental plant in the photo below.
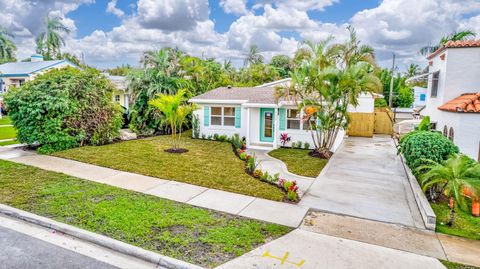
(243, 156)
(257, 173)
(284, 139)
(290, 188)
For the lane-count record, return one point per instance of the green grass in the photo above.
(5, 120)
(181, 231)
(299, 162)
(6, 143)
(453, 265)
(208, 163)
(7, 132)
(465, 225)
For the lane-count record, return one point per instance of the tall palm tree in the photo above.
(452, 177)
(7, 47)
(455, 36)
(253, 56)
(50, 40)
(352, 51)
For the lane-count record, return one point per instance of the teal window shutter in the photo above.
(206, 116)
(238, 117)
(283, 113)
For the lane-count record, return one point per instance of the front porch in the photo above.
(262, 127)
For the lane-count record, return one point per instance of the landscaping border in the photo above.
(104, 241)
(428, 216)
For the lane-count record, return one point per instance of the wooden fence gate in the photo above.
(367, 124)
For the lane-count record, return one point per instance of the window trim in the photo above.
(222, 116)
(299, 118)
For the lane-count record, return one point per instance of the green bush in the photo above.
(380, 102)
(405, 97)
(65, 108)
(419, 146)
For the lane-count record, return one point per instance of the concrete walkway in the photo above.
(365, 179)
(233, 203)
(273, 166)
(304, 249)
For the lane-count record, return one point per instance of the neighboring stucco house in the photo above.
(254, 113)
(120, 95)
(17, 73)
(453, 95)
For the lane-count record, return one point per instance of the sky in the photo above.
(114, 32)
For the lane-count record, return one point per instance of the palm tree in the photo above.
(7, 47)
(175, 109)
(451, 178)
(50, 40)
(352, 51)
(413, 70)
(455, 36)
(253, 56)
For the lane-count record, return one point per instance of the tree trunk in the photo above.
(452, 212)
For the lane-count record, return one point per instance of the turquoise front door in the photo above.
(267, 119)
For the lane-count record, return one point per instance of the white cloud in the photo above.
(112, 8)
(172, 15)
(237, 7)
(302, 5)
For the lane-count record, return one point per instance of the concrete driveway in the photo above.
(365, 179)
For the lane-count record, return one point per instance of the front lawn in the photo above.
(299, 162)
(181, 231)
(5, 120)
(453, 265)
(465, 225)
(210, 164)
(7, 132)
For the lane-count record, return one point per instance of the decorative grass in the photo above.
(299, 162)
(209, 164)
(181, 231)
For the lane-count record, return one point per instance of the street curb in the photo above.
(97, 239)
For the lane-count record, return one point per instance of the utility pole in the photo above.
(390, 96)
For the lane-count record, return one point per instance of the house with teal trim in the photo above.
(17, 73)
(253, 113)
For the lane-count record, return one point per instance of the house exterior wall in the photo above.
(418, 92)
(366, 104)
(459, 74)
(221, 130)
(123, 101)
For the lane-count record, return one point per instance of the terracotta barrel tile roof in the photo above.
(456, 44)
(469, 103)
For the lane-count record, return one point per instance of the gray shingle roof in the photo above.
(260, 95)
(26, 67)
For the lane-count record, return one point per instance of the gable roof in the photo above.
(468, 103)
(456, 44)
(256, 95)
(26, 68)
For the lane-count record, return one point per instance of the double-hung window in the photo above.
(293, 119)
(222, 116)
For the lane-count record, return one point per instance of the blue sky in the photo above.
(115, 32)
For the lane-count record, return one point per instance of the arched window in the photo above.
(451, 134)
(445, 131)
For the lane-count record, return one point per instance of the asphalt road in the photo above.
(19, 251)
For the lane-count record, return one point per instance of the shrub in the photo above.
(65, 108)
(294, 145)
(257, 173)
(236, 141)
(299, 144)
(380, 102)
(420, 146)
(306, 145)
(216, 136)
(204, 136)
(425, 124)
(265, 176)
(196, 126)
(251, 164)
(405, 97)
(290, 188)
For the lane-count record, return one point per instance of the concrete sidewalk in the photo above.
(365, 179)
(256, 208)
(304, 249)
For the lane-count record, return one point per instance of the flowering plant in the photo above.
(284, 138)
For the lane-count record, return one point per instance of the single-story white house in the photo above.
(17, 73)
(453, 95)
(254, 113)
(120, 95)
